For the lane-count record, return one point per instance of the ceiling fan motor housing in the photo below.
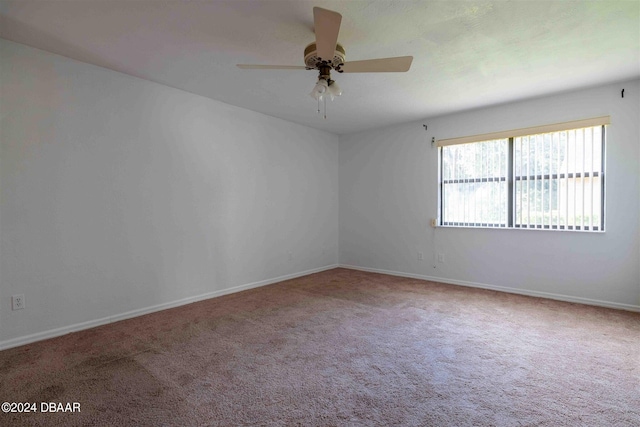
(313, 61)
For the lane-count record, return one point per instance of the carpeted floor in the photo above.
(340, 348)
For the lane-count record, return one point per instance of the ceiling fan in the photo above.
(327, 54)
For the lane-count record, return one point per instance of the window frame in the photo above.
(511, 178)
(442, 182)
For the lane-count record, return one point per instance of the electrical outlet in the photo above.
(290, 256)
(17, 302)
(440, 257)
(420, 256)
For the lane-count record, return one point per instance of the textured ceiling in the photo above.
(467, 54)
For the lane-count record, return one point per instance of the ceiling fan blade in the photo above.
(327, 27)
(398, 64)
(270, 67)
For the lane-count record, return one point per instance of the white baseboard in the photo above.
(52, 333)
(559, 297)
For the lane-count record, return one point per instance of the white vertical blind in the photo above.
(564, 192)
(557, 179)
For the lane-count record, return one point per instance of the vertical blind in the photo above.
(558, 180)
(547, 177)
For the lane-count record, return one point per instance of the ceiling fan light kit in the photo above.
(327, 54)
(325, 89)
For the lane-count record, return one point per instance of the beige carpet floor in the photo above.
(340, 348)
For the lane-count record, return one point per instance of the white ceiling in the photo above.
(467, 54)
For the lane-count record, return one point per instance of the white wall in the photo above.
(119, 195)
(388, 193)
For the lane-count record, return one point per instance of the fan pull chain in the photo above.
(324, 102)
(325, 107)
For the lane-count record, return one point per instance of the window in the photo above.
(549, 177)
